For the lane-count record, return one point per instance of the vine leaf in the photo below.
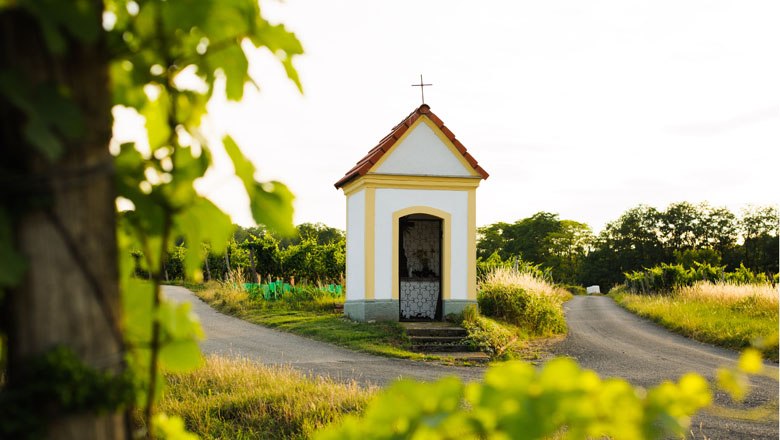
(156, 114)
(200, 222)
(180, 352)
(271, 202)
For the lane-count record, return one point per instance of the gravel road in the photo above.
(615, 343)
(226, 335)
(602, 337)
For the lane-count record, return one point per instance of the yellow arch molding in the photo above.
(446, 250)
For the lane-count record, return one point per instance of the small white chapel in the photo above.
(411, 224)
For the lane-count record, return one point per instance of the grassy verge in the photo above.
(313, 318)
(731, 316)
(238, 399)
(520, 313)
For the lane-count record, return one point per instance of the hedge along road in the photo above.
(616, 343)
(602, 337)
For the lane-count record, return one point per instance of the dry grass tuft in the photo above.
(229, 398)
(763, 295)
(729, 315)
(528, 281)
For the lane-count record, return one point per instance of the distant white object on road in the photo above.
(593, 289)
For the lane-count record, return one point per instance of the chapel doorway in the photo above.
(420, 267)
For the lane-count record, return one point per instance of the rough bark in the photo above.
(64, 223)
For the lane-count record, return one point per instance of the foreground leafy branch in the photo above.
(557, 400)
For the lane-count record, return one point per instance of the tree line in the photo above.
(642, 237)
(565, 250)
(313, 253)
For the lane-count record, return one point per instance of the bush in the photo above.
(525, 301)
(665, 278)
(489, 336)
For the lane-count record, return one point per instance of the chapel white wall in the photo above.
(422, 153)
(389, 201)
(356, 250)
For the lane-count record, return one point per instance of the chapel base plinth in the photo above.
(456, 306)
(372, 310)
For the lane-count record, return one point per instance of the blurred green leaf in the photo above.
(180, 356)
(750, 361)
(271, 202)
(156, 113)
(171, 428)
(201, 222)
(733, 382)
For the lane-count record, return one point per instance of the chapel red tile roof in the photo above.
(373, 156)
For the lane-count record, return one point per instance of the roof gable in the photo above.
(428, 137)
(424, 150)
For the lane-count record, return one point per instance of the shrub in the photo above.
(489, 336)
(523, 300)
(665, 278)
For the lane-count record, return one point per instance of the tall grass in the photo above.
(730, 315)
(761, 297)
(527, 280)
(523, 299)
(238, 399)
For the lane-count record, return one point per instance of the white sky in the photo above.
(580, 108)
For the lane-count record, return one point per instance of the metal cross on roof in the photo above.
(422, 88)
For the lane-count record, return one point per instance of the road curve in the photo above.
(602, 337)
(615, 343)
(229, 336)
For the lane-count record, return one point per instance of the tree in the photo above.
(57, 212)
(682, 226)
(567, 249)
(630, 243)
(491, 240)
(759, 229)
(62, 66)
(525, 238)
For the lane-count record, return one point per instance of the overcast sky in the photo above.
(584, 109)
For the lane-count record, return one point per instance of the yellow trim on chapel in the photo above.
(446, 244)
(403, 181)
(423, 119)
(471, 247)
(370, 226)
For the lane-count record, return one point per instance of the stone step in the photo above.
(421, 340)
(442, 348)
(437, 331)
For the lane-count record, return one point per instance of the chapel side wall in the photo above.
(356, 257)
(455, 203)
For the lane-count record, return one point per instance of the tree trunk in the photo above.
(64, 223)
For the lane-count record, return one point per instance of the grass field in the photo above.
(728, 315)
(237, 399)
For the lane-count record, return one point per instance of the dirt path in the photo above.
(226, 335)
(615, 343)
